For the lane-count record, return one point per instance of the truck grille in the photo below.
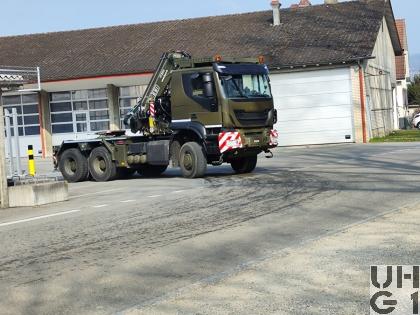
(252, 118)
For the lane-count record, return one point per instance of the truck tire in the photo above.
(192, 160)
(152, 170)
(73, 165)
(101, 166)
(244, 165)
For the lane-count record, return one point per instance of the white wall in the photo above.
(401, 105)
(380, 77)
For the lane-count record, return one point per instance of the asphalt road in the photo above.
(118, 247)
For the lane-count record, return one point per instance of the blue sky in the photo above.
(26, 17)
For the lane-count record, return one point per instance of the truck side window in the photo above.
(197, 86)
(194, 88)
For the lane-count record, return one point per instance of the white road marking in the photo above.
(127, 201)
(38, 218)
(178, 191)
(154, 196)
(95, 193)
(100, 206)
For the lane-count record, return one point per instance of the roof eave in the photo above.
(396, 42)
(349, 61)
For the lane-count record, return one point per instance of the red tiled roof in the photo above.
(338, 33)
(402, 32)
(400, 60)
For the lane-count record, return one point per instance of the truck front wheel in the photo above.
(244, 165)
(101, 166)
(73, 165)
(192, 160)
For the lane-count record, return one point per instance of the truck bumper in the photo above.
(247, 139)
(258, 139)
(246, 142)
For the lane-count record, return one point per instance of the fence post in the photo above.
(16, 140)
(9, 141)
(4, 192)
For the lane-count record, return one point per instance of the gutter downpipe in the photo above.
(362, 102)
(41, 125)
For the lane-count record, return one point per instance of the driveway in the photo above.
(134, 246)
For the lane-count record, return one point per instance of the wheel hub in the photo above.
(70, 166)
(188, 161)
(100, 165)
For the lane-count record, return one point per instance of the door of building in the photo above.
(81, 121)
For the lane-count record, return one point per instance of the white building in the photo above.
(403, 77)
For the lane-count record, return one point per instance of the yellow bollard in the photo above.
(31, 162)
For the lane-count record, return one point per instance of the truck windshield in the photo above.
(246, 86)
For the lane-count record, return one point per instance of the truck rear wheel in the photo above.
(73, 165)
(244, 165)
(152, 170)
(101, 166)
(192, 160)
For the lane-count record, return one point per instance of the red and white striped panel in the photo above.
(274, 136)
(229, 141)
(152, 109)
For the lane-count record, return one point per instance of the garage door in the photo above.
(314, 107)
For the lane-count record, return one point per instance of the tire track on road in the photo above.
(225, 202)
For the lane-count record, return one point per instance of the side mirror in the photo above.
(208, 84)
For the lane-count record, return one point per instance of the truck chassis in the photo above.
(115, 155)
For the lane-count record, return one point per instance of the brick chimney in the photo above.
(301, 4)
(275, 5)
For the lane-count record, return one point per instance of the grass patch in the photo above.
(399, 136)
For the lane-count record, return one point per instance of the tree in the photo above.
(414, 91)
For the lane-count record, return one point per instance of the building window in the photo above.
(28, 112)
(79, 111)
(129, 97)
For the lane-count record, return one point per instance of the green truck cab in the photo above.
(194, 112)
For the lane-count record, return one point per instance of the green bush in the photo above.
(414, 91)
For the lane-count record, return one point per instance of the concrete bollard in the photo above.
(31, 162)
(32, 195)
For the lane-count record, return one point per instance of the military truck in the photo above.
(194, 112)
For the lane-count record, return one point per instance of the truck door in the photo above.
(195, 98)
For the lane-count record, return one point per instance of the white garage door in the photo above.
(314, 107)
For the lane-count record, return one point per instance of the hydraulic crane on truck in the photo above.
(142, 118)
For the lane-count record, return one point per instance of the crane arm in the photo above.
(156, 87)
